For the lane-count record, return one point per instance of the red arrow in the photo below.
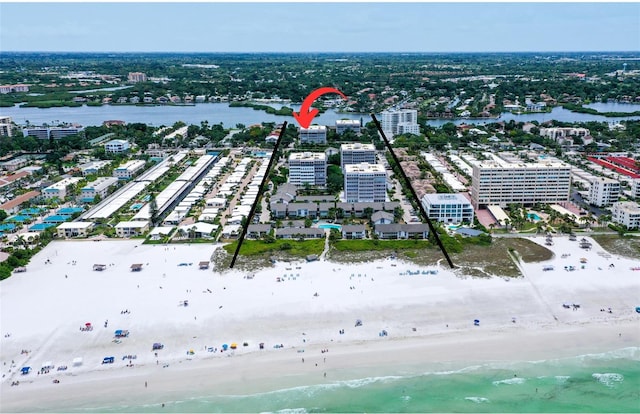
(306, 114)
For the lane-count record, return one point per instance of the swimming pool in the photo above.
(136, 206)
(329, 226)
(534, 217)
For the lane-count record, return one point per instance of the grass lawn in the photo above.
(474, 260)
(628, 246)
(290, 247)
(368, 245)
(256, 254)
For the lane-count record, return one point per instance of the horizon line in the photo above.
(321, 52)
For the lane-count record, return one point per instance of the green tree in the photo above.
(153, 209)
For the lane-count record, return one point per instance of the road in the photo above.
(580, 201)
(243, 184)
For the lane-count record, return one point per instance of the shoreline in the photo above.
(254, 372)
(429, 320)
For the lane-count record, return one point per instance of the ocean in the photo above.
(606, 382)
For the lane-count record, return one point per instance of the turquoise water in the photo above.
(608, 382)
(534, 217)
(329, 226)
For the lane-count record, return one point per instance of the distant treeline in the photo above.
(582, 109)
(284, 111)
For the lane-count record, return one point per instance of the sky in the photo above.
(319, 27)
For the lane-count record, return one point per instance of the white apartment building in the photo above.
(136, 77)
(342, 125)
(400, 121)
(15, 163)
(37, 132)
(128, 169)
(357, 153)
(626, 213)
(97, 187)
(93, 167)
(6, 126)
(500, 184)
(604, 191)
(308, 168)
(61, 132)
(52, 132)
(75, 229)
(116, 146)
(14, 88)
(560, 134)
(272, 138)
(131, 228)
(365, 183)
(60, 188)
(635, 188)
(448, 208)
(315, 134)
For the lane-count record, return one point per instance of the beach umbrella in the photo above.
(225, 346)
(234, 345)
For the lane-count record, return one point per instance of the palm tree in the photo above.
(604, 219)
(553, 216)
(20, 241)
(584, 220)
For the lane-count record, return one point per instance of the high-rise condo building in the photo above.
(357, 153)
(136, 77)
(342, 125)
(400, 121)
(6, 126)
(315, 134)
(604, 192)
(503, 183)
(365, 183)
(308, 168)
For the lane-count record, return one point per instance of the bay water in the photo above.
(215, 113)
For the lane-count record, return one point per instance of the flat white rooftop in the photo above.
(364, 168)
(75, 225)
(307, 156)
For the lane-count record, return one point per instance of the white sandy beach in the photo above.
(429, 319)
